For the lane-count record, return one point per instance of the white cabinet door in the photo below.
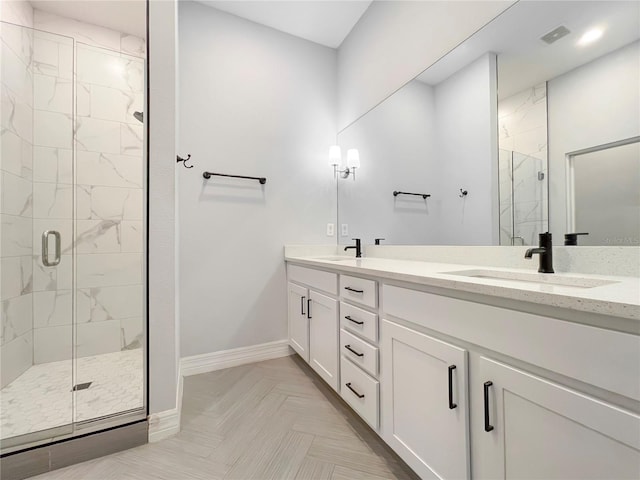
(424, 402)
(534, 428)
(323, 334)
(298, 321)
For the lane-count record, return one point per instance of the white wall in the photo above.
(164, 349)
(396, 40)
(592, 105)
(397, 145)
(258, 102)
(467, 149)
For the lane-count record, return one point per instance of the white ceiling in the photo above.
(524, 60)
(323, 22)
(128, 16)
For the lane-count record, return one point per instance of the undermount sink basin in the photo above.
(333, 258)
(535, 278)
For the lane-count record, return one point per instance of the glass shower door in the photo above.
(523, 198)
(110, 233)
(36, 249)
(529, 198)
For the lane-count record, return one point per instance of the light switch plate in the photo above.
(344, 230)
(330, 229)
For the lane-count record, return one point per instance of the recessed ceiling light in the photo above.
(590, 36)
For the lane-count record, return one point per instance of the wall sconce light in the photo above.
(335, 159)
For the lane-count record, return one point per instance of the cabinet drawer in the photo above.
(359, 352)
(325, 281)
(359, 321)
(363, 394)
(359, 290)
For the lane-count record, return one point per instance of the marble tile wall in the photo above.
(110, 201)
(53, 203)
(522, 120)
(108, 189)
(16, 202)
(90, 34)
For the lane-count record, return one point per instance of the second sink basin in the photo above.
(537, 278)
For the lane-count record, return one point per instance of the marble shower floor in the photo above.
(41, 397)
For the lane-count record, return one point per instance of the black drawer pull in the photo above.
(451, 404)
(353, 290)
(352, 320)
(487, 424)
(302, 305)
(348, 347)
(348, 385)
(308, 308)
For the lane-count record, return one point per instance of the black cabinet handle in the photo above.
(302, 305)
(348, 347)
(451, 404)
(487, 425)
(308, 308)
(352, 320)
(353, 290)
(348, 385)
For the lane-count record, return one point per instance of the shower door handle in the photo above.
(45, 248)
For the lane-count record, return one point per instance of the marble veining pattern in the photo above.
(41, 398)
(16, 201)
(39, 133)
(522, 162)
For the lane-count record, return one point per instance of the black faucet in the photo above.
(357, 246)
(545, 252)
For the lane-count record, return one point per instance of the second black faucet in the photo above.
(357, 246)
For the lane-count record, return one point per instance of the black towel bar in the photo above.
(208, 175)
(423, 195)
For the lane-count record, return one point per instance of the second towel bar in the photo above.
(208, 175)
(423, 195)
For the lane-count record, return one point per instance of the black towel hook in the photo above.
(184, 160)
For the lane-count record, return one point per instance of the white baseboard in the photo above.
(166, 424)
(163, 425)
(210, 362)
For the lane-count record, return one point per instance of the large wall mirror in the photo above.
(531, 125)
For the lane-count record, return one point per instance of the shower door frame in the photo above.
(75, 429)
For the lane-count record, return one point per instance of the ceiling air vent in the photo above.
(555, 35)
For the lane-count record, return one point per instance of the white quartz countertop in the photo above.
(620, 298)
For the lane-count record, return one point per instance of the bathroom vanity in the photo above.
(477, 372)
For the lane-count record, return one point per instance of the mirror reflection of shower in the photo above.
(139, 116)
(523, 198)
(523, 165)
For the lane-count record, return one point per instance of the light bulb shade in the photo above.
(335, 155)
(353, 158)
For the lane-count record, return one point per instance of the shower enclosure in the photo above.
(523, 198)
(72, 237)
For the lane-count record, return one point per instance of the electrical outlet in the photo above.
(330, 228)
(344, 230)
